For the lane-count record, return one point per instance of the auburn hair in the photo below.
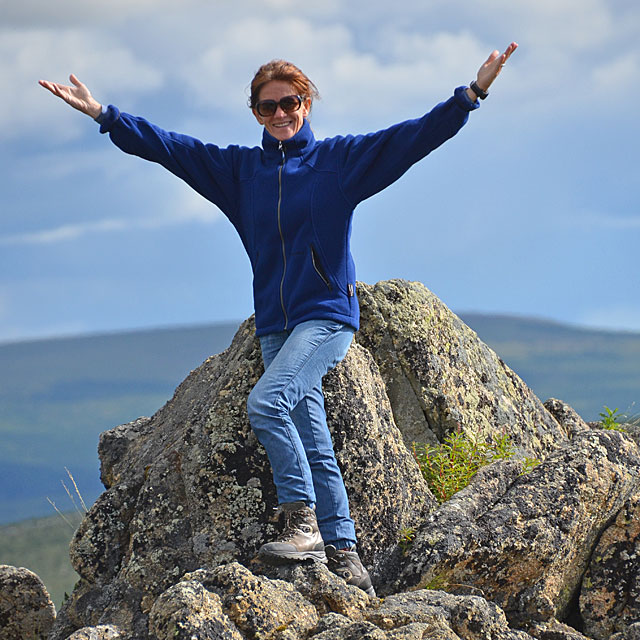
(283, 71)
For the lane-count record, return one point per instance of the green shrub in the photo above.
(448, 467)
(611, 419)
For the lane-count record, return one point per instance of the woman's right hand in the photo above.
(78, 96)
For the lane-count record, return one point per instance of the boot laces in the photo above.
(295, 522)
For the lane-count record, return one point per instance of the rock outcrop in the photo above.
(191, 487)
(440, 376)
(525, 541)
(169, 550)
(101, 632)
(610, 594)
(26, 610)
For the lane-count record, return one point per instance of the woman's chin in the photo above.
(282, 133)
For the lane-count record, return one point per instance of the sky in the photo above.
(532, 209)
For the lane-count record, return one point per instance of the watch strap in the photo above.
(481, 93)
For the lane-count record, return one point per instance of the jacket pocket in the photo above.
(317, 265)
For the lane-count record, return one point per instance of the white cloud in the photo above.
(230, 63)
(611, 76)
(404, 70)
(188, 210)
(64, 232)
(355, 51)
(102, 61)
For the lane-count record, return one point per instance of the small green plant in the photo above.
(406, 537)
(528, 464)
(611, 419)
(449, 467)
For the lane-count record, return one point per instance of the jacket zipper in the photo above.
(315, 261)
(284, 254)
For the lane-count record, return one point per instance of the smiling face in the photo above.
(281, 125)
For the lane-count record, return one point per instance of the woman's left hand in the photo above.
(491, 68)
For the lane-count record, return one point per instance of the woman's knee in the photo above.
(262, 403)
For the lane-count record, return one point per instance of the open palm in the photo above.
(77, 95)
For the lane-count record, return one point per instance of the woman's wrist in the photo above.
(94, 109)
(471, 94)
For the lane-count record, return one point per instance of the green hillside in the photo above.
(584, 367)
(57, 396)
(42, 546)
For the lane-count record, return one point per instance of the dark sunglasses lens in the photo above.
(267, 107)
(290, 103)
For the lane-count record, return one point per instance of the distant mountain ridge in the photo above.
(587, 368)
(57, 395)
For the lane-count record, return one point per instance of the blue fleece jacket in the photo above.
(292, 202)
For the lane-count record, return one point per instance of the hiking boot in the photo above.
(300, 539)
(347, 565)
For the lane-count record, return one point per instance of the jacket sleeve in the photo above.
(370, 163)
(205, 167)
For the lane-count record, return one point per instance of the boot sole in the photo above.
(293, 556)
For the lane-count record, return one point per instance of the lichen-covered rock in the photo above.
(527, 548)
(97, 605)
(632, 632)
(566, 416)
(191, 487)
(442, 539)
(465, 616)
(259, 607)
(387, 491)
(26, 610)
(165, 551)
(324, 589)
(187, 610)
(361, 630)
(101, 632)
(553, 630)
(610, 595)
(311, 604)
(441, 376)
(632, 430)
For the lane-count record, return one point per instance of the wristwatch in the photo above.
(481, 93)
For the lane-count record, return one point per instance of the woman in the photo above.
(292, 202)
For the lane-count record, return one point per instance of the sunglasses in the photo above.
(288, 104)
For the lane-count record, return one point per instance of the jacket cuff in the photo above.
(463, 100)
(107, 118)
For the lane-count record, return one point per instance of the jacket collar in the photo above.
(302, 141)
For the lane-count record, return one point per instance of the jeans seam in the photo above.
(279, 404)
(328, 488)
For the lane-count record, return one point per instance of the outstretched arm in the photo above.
(78, 96)
(489, 71)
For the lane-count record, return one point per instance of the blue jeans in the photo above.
(286, 411)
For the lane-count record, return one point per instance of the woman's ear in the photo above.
(306, 107)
